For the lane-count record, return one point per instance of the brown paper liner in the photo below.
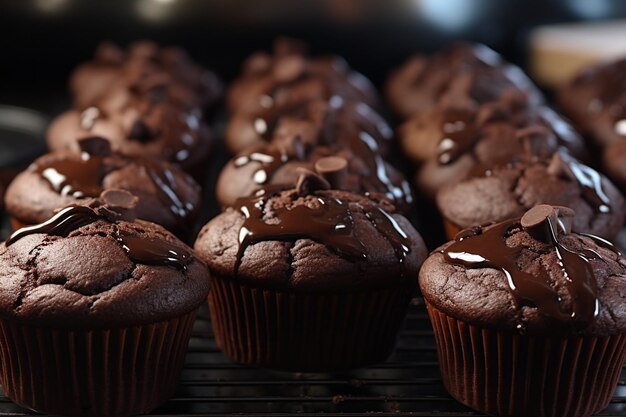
(104, 372)
(507, 374)
(305, 332)
(451, 229)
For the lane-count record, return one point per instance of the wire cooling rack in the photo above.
(407, 384)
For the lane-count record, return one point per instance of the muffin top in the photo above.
(289, 75)
(453, 137)
(595, 100)
(500, 192)
(137, 125)
(358, 168)
(471, 69)
(184, 82)
(94, 265)
(316, 121)
(312, 239)
(166, 194)
(530, 275)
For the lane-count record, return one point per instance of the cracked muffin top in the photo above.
(95, 265)
(136, 124)
(473, 70)
(530, 275)
(312, 239)
(450, 139)
(166, 194)
(496, 193)
(290, 75)
(141, 65)
(358, 168)
(595, 101)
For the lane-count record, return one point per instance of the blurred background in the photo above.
(42, 40)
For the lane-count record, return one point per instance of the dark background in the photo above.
(42, 40)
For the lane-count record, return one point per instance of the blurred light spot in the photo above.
(595, 9)
(155, 10)
(51, 6)
(450, 15)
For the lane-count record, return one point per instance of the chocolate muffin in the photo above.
(96, 311)
(316, 121)
(136, 125)
(309, 279)
(529, 317)
(500, 192)
(473, 70)
(595, 100)
(358, 168)
(449, 140)
(166, 194)
(184, 82)
(289, 75)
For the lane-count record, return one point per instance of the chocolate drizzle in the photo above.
(332, 224)
(338, 137)
(270, 162)
(81, 178)
(490, 250)
(75, 178)
(147, 251)
(460, 135)
(61, 224)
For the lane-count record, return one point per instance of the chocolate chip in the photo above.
(117, 205)
(309, 182)
(492, 112)
(543, 220)
(95, 146)
(540, 222)
(559, 166)
(116, 198)
(333, 169)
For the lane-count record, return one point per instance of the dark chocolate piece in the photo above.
(490, 249)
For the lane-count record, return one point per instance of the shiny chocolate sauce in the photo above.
(460, 135)
(361, 142)
(331, 224)
(81, 178)
(489, 249)
(147, 251)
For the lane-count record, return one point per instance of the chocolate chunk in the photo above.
(119, 199)
(95, 146)
(538, 222)
(309, 182)
(533, 138)
(333, 169)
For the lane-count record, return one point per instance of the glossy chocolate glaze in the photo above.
(361, 142)
(489, 249)
(331, 224)
(140, 250)
(81, 178)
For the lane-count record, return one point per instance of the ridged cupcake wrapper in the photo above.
(104, 372)
(506, 374)
(306, 332)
